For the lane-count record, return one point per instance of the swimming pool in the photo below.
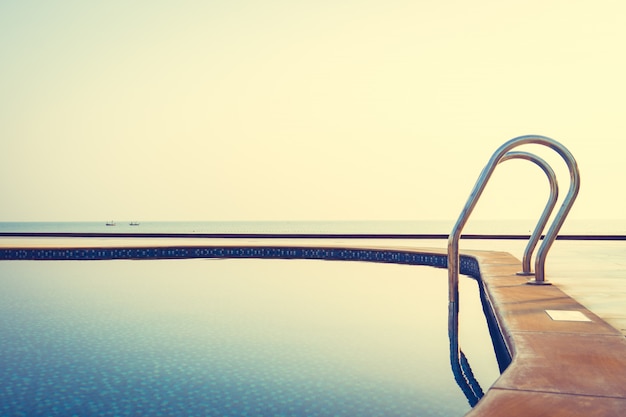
(233, 336)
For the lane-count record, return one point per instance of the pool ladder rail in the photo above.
(462, 371)
(503, 153)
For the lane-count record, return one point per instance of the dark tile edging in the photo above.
(469, 265)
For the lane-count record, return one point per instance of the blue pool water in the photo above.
(233, 338)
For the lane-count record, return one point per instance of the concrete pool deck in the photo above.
(559, 368)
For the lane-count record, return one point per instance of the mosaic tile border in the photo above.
(468, 265)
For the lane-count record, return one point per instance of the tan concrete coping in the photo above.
(572, 366)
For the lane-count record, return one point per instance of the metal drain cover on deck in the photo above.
(567, 315)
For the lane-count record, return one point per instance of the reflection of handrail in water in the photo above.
(461, 369)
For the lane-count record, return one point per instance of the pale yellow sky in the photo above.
(286, 110)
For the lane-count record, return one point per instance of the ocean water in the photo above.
(572, 226)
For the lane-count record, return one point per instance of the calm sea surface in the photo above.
(602, 226)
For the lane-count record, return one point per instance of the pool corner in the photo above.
(560, 367)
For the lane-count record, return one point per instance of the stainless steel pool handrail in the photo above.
(453, 239)
(461, 369)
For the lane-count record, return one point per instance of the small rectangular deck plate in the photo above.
(567, 315)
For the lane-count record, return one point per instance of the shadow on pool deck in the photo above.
(559, 367)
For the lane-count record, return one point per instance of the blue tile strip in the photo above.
(469, 266)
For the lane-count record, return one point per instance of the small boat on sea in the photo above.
(134, 223)
(110, 223)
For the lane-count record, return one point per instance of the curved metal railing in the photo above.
(460, 367)
(485, 175)
(545, 215)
